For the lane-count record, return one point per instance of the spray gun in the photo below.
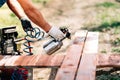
(54, 45)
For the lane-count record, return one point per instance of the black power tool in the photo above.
(7, 44)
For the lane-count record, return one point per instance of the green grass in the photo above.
(115, 45)
(108, 77)
(107, 18)
(104, 51)
(116, 50)
(108, 5)
(116, 42)
(7, 19)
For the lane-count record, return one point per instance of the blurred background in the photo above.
(93, 15)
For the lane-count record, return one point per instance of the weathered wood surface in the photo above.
(87, 67)
(91, 43)
(79, 63)
(70, 64)
(4, 60)
(34, 60)
(108, 60)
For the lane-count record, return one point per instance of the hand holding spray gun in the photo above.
(55, 44)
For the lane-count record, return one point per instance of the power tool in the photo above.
(7, 44)
(8, 41)
(54, 45)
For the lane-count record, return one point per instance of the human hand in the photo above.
(26, 24)
(56, 33)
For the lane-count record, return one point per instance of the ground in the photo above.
(93, 15)
(83, 15)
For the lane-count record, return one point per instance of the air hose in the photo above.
(35, 34)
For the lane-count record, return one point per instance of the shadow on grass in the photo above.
(104, 26)
(117, 0)
(108, 73)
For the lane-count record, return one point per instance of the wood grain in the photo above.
(46, 60)
(33, 60)
(108, 60)
(91, 44)
(4, 60)
(87, 67)
(68, 69)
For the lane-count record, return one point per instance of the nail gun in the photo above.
(54, 45)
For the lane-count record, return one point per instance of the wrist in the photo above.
(22, 18)
(46, 27)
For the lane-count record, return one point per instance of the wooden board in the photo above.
(87, 67)
(4, 60)
(11, 61)
(34, 60)
(54, 60)
(19, 61)
(68, 69)
(108, 60)
(1, 57)
(91, 44)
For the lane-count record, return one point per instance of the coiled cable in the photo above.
(35, 34)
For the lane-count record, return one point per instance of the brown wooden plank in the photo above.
(87, 68)
(26, 60)
(4, 60)
(69, 67)
(55, 60)
(108, 60)
(34, 60)
(91, 44)
(1, 57)
(42, 60)
(19, 61)
(11, 61)
(48, 61)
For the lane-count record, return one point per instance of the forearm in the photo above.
(16, 8)
(34, 14)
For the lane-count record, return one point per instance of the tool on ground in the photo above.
(8, 40)
(53, 45)
(7, 44)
